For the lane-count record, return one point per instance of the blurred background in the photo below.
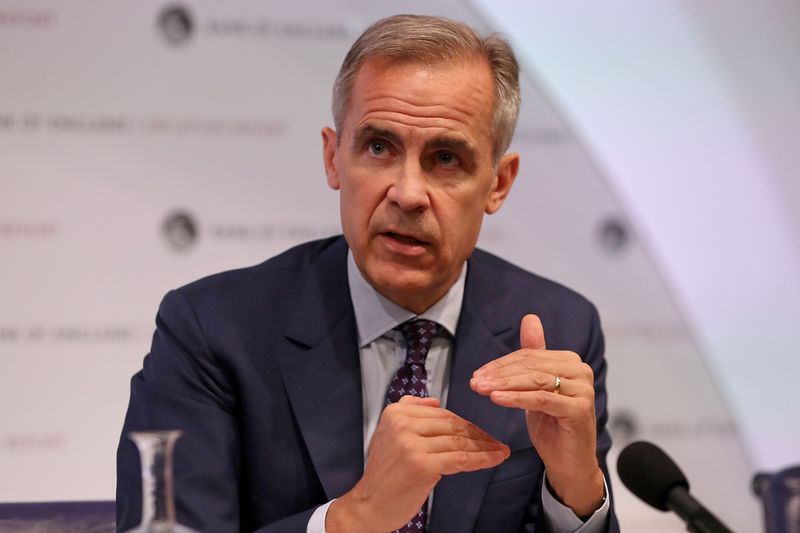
(146, 144)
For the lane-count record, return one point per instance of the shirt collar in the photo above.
(376, 314)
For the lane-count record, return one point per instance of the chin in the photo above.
(399, 280)
(402, 279)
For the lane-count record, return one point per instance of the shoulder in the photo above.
(293, 263)
(516, 283)
(276, 280)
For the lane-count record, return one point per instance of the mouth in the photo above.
(401, 245)
(404, 239)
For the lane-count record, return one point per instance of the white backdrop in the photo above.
(134, 159)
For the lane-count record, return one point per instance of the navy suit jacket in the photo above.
(259, 368)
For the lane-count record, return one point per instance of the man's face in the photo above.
(414, 167)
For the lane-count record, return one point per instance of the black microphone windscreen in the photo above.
(649, 473)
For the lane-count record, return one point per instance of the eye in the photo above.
(378, 148)
(446, 159)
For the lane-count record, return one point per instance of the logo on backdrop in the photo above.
(613, 236)
(27, 229)
(175, 24)
(626, 425)
(623, 425)
(26, 18)
(17, 334)
(34, 441)
(180, 230)
(298, 29)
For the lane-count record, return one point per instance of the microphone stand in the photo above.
(698, 519)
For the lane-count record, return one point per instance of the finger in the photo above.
(452, 427)
(452, 443)
(575, 379)
(532, 381)
(414, 407)
(531, 333)
(428, 422)
(461, 461)
(570, 368)
(555, 405)
(416, 400)
(528, 358)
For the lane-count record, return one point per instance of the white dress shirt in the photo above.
(382, 351)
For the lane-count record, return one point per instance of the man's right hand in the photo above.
(415, 444)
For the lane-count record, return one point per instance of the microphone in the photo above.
(652, 476)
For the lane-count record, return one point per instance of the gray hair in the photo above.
(433, 40)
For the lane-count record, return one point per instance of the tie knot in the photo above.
(419, 335)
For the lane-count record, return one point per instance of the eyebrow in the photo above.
(368, 131)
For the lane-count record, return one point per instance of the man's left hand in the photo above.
(561, 426)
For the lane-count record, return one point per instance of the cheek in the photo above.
(460, 219)
(360, 202)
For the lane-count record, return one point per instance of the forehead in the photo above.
(456, 96)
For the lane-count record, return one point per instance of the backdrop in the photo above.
(146, 146)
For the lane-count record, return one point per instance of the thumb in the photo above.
(531, 334)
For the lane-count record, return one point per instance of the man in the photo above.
(278, 374)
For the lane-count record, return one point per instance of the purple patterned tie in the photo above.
(412, 378)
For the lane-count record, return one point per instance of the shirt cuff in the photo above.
(561, 519)
(316, 524)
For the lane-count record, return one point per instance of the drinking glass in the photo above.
(158, 503)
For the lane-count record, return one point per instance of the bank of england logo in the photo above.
(613, 235)
(623, 425)
(180, 230)
(175, 24)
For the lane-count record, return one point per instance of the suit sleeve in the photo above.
(183, 386)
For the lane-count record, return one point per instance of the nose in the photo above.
(409, 189)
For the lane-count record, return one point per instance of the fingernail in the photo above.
(483, 382)
(500, 395)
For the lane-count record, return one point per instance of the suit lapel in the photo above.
(480, 335)
(323, 375)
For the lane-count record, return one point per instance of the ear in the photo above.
(329, 157)
(507, 169)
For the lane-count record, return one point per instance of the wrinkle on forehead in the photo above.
(408, 112)
(415, 122)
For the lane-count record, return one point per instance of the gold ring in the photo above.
(557, 390)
